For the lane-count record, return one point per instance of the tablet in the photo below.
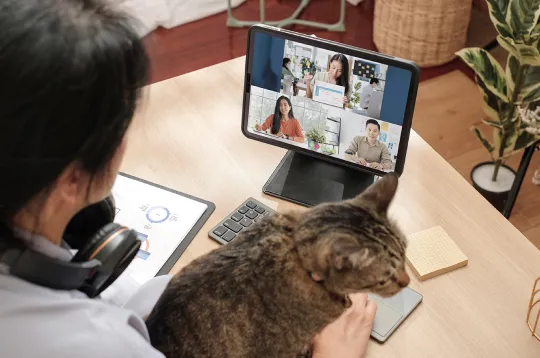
(339, 103)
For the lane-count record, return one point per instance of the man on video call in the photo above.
(368, 150)
(365, 97)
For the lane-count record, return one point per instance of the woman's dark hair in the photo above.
(286, 61)
(70, 79)
(373, 80)
(372, 121)
(276, 121)
(343, 80)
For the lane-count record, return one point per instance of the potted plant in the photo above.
(309, 68)
(355, 97)
(315, 139)
(505, 92)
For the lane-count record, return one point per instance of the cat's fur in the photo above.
(257, 297)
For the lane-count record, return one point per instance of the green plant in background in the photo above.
(355, 97)
(308, 67)
(506, 91)
(316, 136)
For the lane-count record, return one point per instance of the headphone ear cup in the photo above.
(88, 221)
(115, 246)
(93, 245)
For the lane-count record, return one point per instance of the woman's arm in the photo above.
(267, 123)
(298, 134)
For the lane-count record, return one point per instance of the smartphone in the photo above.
(391, 312)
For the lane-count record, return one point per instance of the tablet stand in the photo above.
(308, 181)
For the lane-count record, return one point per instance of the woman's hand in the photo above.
(280, 135)
(258, 127)
(345, 100)
(348, 336)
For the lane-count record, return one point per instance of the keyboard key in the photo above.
(259, 210)
(266, 213)
(250, 204)
(237, 217)
(251, 214)
(246, 222)
(243, 210)
(228, 236)
(220, 230)
(232, 225)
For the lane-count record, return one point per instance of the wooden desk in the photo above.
(187, 136)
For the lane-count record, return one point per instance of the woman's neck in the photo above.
(284, 117)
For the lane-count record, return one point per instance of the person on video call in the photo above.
(337, 74)
(286, 71)
(368, 150)
(282, 123)
(367, 91)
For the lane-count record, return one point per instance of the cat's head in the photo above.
(352, 246)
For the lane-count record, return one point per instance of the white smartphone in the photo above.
(392, 311)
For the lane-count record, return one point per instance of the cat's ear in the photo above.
(347, 254)
(381, 193)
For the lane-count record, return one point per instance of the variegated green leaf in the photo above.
(483, 140)
(524, 140)
(487, 68)
(492, 123)
(491, 104)
(527, 54)
(512, 68)
(530, 87)
(530, 92)
(522, 16)
(510, 143)
(497, 12)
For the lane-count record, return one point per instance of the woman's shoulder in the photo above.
(83, 327)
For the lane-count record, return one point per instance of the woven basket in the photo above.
(427, 32)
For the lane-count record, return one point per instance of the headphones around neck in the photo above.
(105, 249)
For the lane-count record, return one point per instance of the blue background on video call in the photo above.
(266, 73)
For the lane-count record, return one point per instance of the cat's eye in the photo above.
(381, 283)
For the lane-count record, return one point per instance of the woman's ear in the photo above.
(71, 183)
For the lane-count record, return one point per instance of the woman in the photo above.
(337, 74)
(71, 73)
(286, 71)
(282, 123)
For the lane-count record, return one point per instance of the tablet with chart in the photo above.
(328, 93)
(164, 220)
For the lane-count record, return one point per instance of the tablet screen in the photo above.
(329, 102)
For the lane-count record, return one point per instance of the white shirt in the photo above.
(40, 322)
(365, 97)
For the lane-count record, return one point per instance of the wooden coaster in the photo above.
(432, 252)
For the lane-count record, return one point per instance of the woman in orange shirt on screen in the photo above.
(282, 122)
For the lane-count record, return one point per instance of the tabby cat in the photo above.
(269, 291)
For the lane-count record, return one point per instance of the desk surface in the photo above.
(187, 136)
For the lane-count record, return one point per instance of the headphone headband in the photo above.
(101, 257)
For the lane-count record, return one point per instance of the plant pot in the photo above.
(313, 145)
(496, 192)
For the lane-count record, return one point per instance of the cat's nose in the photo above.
(402, 279)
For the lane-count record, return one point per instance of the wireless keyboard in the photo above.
(245, 215)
